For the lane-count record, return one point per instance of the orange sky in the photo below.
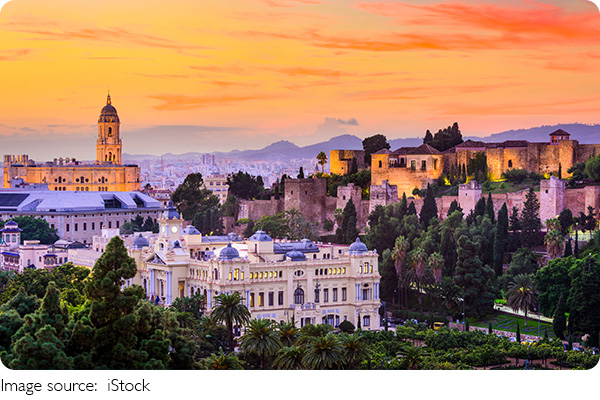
(190, 75)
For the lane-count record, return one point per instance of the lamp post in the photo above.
(383, 303)
(221, 343)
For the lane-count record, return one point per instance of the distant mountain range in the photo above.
(287, 151)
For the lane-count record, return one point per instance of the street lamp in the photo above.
(221, 343)
(383, 303)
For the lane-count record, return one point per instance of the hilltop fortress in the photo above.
(408, 168)
(401, 171)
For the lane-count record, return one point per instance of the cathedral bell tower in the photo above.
(108, 145)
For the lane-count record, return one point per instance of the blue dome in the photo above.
(295, 255)
(140, 242)
(260, 236)
(229, 253)
(190, 230)
(170, 212)
(358, 248)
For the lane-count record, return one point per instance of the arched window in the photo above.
(299, 296)
(510, 164)
(109, 131)
(379, 163)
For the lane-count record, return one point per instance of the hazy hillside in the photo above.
(286, 151)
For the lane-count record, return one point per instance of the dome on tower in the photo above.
(229, 253)
(140, 242)
(357, 248)
(109, 112)
(170, 212)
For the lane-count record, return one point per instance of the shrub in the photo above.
(516, 175)
(347, 326)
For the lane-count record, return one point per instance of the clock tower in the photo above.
(170, 223)
(108, 144)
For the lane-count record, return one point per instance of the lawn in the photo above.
(504, 322)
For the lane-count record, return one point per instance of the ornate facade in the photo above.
(107, 173)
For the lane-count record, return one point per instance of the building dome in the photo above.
(140, 242)
(295, 255)
(358, 248)
(170, 212)
(11, 226)
(109, 112)
(229, 253)
(190, 230)
(260, 236)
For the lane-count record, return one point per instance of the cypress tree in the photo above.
(479, 207)
(576, 251)
(489, 209)
(412, 210)
(559, 171)
(500, 240)
(403, 208)
(568, 248)
(530, 223)
(349, 223)
(301, 173)
(448, 251)
(559, 320)
(490, 330)
(454, 206)
(429, 209)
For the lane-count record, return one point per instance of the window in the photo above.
(344, 294)
(67, 227)
(379, 164)
(365, 294)
(413, 165)
(366, 320)
(85, 226)
(93, 225)
(299, 296)
(325, 295)
(271, 298)
(280, 298)
(251, 299)
(261, 299)
(423, 165)
(510, 164)
(76, 226)
(335, 294)
(435, 162)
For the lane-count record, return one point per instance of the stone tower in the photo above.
(108, 145)
(468, 195)
(552, 198)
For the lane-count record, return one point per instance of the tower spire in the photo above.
(108, 101)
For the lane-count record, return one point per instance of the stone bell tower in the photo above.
(108, 144)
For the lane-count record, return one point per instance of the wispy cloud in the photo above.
(172, 102)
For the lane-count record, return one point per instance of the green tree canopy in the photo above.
(373, 144)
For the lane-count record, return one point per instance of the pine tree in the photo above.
(429, 209)
(111, 309)
(473, 278)
(403, 208)
(500, 240)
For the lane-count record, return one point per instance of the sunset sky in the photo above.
(192, 75)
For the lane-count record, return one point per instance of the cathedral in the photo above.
(107, 173)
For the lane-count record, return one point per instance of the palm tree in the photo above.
(522, 293)
(222, 361)
(412, 356)
(288, 333)
(436, 263)
(355, 349)
(229, 309)
(324, 352)
(289, 357)
(399, 255)
(417, 257)
(310, 331)
(322, 157)
(261, 338)
(554, 243)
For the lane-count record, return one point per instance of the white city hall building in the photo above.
(312, 283)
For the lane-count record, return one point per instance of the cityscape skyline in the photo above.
(205, 76)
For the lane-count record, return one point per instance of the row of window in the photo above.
(413, 164)
(330, 271)
(299, 295)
